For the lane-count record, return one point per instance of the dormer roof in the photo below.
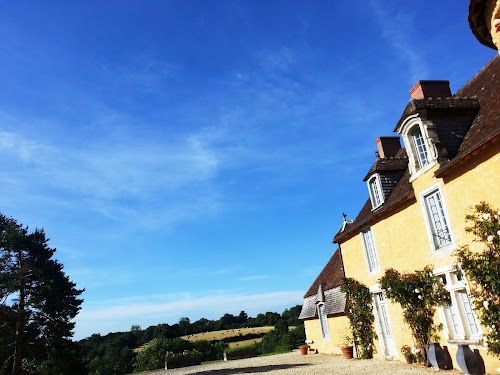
(326, 289)
(396, 163)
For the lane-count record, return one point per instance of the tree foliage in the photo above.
(37, 302)
(483, 270)
(360, 314)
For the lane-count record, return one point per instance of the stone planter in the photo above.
(347, 352)
(438, 357)
(468, 361)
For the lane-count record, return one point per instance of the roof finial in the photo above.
(344, 216)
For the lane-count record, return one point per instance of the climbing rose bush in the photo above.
(418, 293)
(482, 268)
(360, 313)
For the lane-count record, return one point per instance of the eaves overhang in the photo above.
(374, 217)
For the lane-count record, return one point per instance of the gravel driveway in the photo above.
(294, 363)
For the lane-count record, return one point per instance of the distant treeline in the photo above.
(113, 353)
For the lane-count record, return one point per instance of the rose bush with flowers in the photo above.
(419, 294)
(482, 268)
(360, 314)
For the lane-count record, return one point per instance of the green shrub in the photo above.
(243, 348)
(360, 314)
(274, 339)
(419, 294)
(482, 269)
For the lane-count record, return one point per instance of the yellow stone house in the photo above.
(419, 195)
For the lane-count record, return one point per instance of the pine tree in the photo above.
(37, 301)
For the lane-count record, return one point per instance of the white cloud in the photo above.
(254, 277)
(279, 60)
(398, 28)
(116, 177)
(144, 70)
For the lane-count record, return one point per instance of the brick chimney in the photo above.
(431, 89)
(388, 147)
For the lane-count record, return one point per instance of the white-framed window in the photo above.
(375, 189)
(323, 322)
(370, 250)
(460, 320)
(419, 148)
(436, 218)
(422, 153)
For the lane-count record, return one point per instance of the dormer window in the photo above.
(422, 154)
(375, 189)
(419, 148)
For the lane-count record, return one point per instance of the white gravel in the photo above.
(294, 363)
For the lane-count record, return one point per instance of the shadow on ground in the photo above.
(247, 370)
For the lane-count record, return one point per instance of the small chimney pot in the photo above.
(431, 89)
(388, 147)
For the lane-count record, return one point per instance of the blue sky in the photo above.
(192, 158)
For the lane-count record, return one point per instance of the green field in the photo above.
(225, 333)
(220, 335)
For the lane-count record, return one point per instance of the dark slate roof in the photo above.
(396, 163)
(330, 277)
(486, 125)
(401, 193)
(326, 288)
(438, 106)
(485, 128)
(334, 304)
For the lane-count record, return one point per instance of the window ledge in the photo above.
(376, 208)
(444, 249)
(421, 171)
(475, 342)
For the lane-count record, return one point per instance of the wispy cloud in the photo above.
(279, 60)
(116, 177)
(145, 310)
(144, 70)
(254, 277)
(397, 28)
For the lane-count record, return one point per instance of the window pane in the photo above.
(468, 312)
(452, 319)
(419, 148)
(323, 321)
(435, 211)
(371, 252)
(375, 193)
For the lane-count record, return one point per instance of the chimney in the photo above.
(388, 147)
(431, 89)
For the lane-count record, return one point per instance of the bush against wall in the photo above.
(360, 313)
(419, 294)
(283, 340)
(483, 269)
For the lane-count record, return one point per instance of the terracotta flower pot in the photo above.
(409, 359)
(303, 350)
(347, 352)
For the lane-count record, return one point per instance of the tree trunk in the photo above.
(18, 350)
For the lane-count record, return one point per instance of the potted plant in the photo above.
(408, 354)
(304, 349)
(346, 345)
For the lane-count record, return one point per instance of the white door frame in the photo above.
(385, 336)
